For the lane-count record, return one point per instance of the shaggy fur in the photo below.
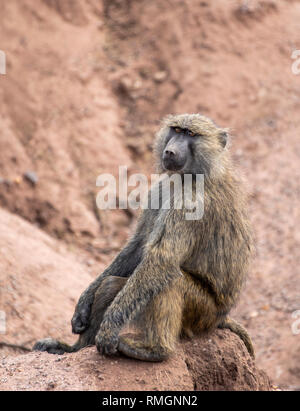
(174, 277)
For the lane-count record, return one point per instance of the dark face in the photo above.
(178, 148)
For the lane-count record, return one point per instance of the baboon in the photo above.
(175, 277)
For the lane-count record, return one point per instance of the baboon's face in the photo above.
(178, 148)
(190, 144)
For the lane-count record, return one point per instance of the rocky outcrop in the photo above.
(219, 362)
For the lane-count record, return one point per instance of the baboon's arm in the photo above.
(158, 268)
(123, 265)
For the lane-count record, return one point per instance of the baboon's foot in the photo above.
(52, 346)
(135, 348)
(81, 318)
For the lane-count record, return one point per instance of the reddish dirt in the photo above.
(85, 88)
(216, 366)
(218, 363)
(40, 282)
(87, 370)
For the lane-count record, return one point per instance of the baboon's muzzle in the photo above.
(175, 154)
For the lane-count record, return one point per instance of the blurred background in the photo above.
(86, 85)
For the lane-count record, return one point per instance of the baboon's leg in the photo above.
(161, 324)
(200, 312)
(105, 294)
(184, 308)
(238, 329)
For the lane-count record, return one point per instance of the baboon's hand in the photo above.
(107, 339)
(80, 320)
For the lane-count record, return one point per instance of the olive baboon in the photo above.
(174, 277)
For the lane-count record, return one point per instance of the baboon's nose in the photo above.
(169, 153)
(172, 159)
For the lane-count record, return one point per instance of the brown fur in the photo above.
(200, 300)
(175, 277)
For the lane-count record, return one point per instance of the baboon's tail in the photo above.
(238, 329)
(53, 346)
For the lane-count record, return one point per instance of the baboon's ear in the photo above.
(223, 137)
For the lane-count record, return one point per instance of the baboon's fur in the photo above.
(174, 277)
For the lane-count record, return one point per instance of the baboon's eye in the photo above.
(178, 129)
(190, 133)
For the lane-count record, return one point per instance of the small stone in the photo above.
(51, 385)
(137, 84)
(253, 314)
(17, 180)
(32, 177)
(126, 83)
(160, 76)
(90, 262)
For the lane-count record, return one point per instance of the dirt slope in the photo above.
(40, 283)
(53, 102)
